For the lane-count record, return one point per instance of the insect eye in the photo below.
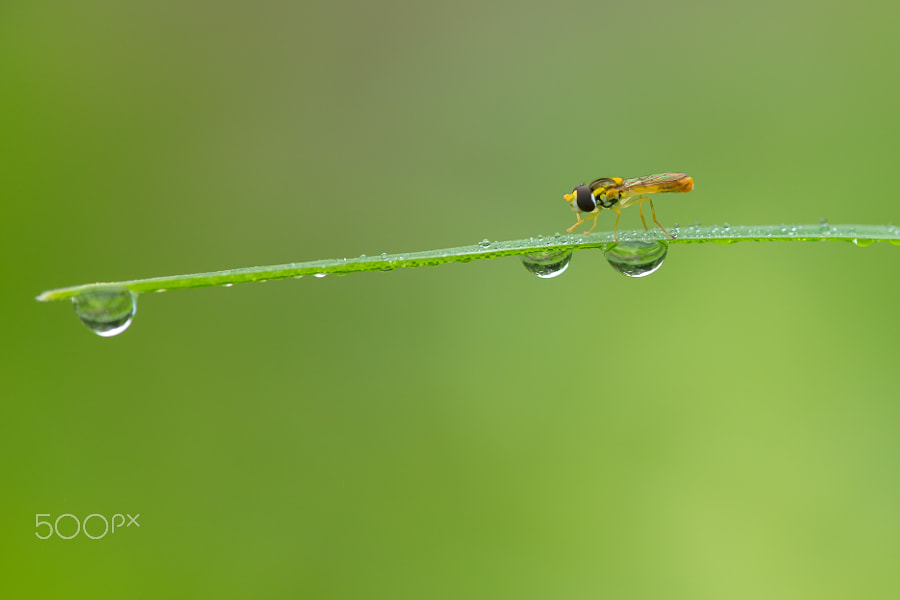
(584, 199)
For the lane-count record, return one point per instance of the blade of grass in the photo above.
(722, 234)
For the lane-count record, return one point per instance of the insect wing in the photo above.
(647, 180)
(649, 184)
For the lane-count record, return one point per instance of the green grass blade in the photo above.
(722, 234)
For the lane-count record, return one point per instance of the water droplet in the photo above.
(384, 255)
(547, 265)
(636, 259)
(106, 312)
(484, 243)
(362, 257)
(319, 275)
(862, 243)
(231, 284)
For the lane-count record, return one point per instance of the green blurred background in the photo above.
(726, 428)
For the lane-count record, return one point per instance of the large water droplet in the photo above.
(106, 312)
(547, 265)
(636, 259)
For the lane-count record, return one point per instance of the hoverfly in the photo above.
(616, 193)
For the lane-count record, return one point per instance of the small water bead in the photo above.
(862, 243)
(484, 243)
(636, 259)
(549, 264)
(319, 275)
(106, 312)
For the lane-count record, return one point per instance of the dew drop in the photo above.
(106, 312)
(319, 275)
(862, 243)
(484, 243)
(229, 285)
(636, 259)
(549, 264)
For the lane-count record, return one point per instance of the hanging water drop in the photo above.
(547, 265)
(636, 259)
(106, 312)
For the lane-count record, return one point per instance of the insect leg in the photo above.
(653, 212)
(641, 210)
(595, 222)
(616, 229)
(579, 222)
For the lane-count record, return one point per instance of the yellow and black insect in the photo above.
(616, 193)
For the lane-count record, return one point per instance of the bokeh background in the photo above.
(726, 428)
